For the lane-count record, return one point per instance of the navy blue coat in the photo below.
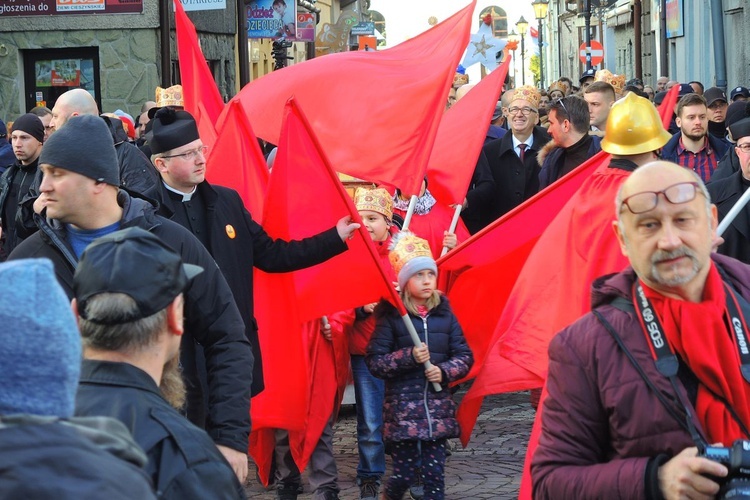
(413, 410)
(669, 151)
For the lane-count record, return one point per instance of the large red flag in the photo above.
(236, 160)
(451, 167)
(490, 261)
(202, 97)
(376, 114)
(305, 197)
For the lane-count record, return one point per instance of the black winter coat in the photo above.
(183, 463)
(413, 410)
(75, 459)
(248, 245)
(728, 165)
(12, 215)
(515, 181)
(211, 318)
(554, 162)
(724, 194)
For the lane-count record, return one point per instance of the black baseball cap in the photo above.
(741, 91)
(136, 263)
(714, 94)
(589, 73)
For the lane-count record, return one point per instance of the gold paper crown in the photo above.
(527, 93)
(405, 247)
(376, 200)
(617, 81)
(171, 96)
(460, 80)
(560, 86)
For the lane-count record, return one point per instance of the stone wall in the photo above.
(129, 52)
(127, 65)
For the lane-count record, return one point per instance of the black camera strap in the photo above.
(668, 364)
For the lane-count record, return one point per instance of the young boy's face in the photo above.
(279, 8)
(376, 224)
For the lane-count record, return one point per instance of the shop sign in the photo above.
(272, 19)
(673, 10)
(193, 5)
(11, 8)
(305, 27)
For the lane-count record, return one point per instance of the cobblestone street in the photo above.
(490, 467)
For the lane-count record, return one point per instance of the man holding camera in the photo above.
(639, 387)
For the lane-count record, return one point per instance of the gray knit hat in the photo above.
(83, 145)
(40, 347)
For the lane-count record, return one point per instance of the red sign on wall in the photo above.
(9, 8)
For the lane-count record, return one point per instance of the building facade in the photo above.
(708, 41)
(114, 55)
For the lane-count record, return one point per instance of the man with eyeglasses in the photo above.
(571, 143)
(726, 191)
(512, 158)
(616, 422)
(218, 218)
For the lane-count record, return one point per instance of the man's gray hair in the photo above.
(130, 336)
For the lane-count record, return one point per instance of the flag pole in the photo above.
(418, 343)
(409, 212)
(724, 224)
(454, 223)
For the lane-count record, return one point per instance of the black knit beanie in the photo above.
(32, 125)
(83, 145)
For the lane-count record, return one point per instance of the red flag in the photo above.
(450, 167)
(307, 198)
(666, 108)
(312, 200)
(202, 97)
(492, 259)
(376, 114)
(236, 160)
(325, 393)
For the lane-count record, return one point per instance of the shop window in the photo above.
(49, 73)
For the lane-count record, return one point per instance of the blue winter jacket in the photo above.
(413, 409)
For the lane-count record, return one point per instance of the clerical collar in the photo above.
(185, 196)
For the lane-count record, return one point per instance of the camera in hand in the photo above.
(737, 460)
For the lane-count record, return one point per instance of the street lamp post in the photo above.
(540, 10)
(522, 26)
(513, 37)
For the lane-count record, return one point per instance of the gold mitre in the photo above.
(617, 81)
(527, 93)
(560, 86)
(405, 247)
(376, 200)
(171, 96)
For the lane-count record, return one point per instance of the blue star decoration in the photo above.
(483, 48)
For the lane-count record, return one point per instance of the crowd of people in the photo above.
(115, 214)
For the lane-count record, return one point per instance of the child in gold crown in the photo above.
(375, 206)
(417, 419)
